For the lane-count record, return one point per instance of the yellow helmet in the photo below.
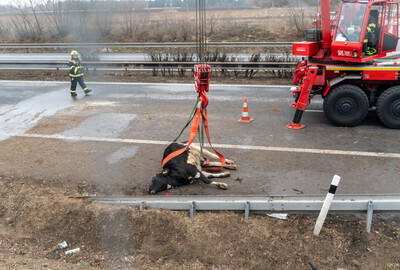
(74, 53)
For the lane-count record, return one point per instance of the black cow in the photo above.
(186, 168)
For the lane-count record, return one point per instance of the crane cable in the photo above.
(201, 43)
(201, 31)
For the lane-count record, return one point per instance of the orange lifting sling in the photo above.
(202, 76)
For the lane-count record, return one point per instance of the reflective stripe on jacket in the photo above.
(75, 68)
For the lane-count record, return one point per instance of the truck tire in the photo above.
(346, 105)
(388, 107)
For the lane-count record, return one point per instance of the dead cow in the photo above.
(187, 167)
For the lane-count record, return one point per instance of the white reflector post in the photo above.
(327, 204)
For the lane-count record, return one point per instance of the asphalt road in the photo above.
(115, 137)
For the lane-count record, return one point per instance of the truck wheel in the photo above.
(346, 105)
(388, 107)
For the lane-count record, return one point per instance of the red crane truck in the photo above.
(344, 64)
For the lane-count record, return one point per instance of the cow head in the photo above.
(161, 182)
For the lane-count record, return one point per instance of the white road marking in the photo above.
(226, 146)
(315, 111)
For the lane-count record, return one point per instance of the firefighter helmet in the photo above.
(370, 51)
(74, 53)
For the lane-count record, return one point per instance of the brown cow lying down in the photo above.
(187, 168)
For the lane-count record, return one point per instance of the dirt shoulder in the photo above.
(36, 217)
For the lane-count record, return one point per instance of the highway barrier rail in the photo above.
(149, 65)
(91, 60)
(349, 204)
(140, 45)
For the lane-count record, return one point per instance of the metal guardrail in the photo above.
(258, 203)
(281, 204)
(149, 65)
(141, 45)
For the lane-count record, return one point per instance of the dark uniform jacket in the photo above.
(75, 68)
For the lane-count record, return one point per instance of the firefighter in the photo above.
(371, 33)
(76, 74)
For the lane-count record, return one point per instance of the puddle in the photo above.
(105, 125)
(23, 116)
(122, 153)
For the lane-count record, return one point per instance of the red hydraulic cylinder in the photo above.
(326, 25)
(301, 104)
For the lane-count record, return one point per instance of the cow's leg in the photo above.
(221, 174)
(220, 184)
(209, 154)
(230, 166)
(203, 176)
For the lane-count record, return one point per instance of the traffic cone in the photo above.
(245, 113)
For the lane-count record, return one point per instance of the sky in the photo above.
(13, 2)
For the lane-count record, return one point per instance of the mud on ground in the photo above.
(36, 215)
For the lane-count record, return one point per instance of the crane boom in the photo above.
(326, 25)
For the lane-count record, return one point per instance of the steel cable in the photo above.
(201, 31)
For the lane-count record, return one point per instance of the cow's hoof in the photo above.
(223, 186)
(231, 166)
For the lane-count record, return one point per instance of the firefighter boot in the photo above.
(87, 91)
(73, 94)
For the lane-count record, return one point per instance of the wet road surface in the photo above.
(115, 137)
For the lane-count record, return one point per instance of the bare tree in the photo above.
(58, 12)
(4, 33)
(83, 19)
(212, 23)
(25, 22)
(104, 22)
(38, 26)
(299, 19)
(186, 30)
(135, 17)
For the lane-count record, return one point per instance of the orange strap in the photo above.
(221, 157)
(201, 112)
(193, 131)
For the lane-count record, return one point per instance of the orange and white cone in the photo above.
(245, 113)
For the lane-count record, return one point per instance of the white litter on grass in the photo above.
(75, 250)
(278, 216)
(63, 245)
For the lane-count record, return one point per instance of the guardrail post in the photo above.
(370, 212)
(141, 206)
(325, 206)
(192, 208)
(247, 210)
